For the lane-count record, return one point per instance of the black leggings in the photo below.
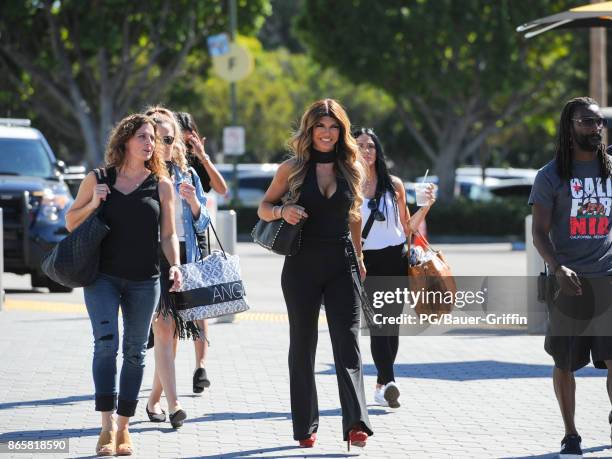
(385, 262)
(320, 271)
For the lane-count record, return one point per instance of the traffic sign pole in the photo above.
(232, 62)
(233, 102)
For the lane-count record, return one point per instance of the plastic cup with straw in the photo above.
(420, 190)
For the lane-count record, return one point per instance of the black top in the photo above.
(194, 162)
(323, 157)
(328, 218)
(130, 251)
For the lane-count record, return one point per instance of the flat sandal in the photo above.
(124, 443)
(106, 443)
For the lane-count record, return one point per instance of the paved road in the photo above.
(486, 395)
(262, 270)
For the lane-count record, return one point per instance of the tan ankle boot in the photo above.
(106, 443)
(124, 443)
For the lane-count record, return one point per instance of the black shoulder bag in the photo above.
(279, 236)
(74, 261)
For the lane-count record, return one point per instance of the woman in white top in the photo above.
(386, 224)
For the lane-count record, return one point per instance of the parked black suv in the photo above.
(34, 199)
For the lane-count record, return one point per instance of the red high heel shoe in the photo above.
(309, 442)
(357, 438)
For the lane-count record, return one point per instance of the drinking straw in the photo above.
(425, 177)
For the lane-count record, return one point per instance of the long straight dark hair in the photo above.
(563, 154)
(383, 178)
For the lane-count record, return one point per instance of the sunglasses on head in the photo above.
(373, 206)
(168, 139)
(590, 122)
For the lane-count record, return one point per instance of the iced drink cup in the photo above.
(420, 190)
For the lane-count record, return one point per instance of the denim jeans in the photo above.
(138, 300)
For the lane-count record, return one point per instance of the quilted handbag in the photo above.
(278, 236)
(74, 261)
(211, 287)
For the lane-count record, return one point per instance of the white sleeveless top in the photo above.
(382, 234)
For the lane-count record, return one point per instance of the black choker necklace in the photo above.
(320, 157)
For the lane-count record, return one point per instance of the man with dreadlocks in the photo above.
(572, 199)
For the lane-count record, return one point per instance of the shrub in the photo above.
(462, 217)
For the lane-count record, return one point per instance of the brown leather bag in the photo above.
(435, 278)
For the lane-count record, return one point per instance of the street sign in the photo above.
(234, 65)
(233, 140)
(218, 45)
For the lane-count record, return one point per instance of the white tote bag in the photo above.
(211, 287)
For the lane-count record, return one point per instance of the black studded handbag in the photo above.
(74, 261)
(279, 236)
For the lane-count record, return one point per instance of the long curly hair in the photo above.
(348, 161)
(563, 155)
(115, 155)
(161, 114)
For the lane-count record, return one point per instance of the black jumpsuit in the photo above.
(320, 272)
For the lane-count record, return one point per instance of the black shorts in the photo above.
(580, 327)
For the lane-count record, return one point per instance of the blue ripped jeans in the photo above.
(138, 300)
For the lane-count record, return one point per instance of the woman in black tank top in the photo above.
(138, 205)
(322, 184)
(210, 178)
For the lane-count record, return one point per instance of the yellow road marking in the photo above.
(48, 306)
(43, 306)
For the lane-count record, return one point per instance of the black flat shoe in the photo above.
(155, 417)
(200, 381)
(177, 418)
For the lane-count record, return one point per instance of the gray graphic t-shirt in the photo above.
(580, 227)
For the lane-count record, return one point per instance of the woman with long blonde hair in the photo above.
(139, 209)
(321, 183)
(191, 215)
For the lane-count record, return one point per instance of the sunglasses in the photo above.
(373, 206)
(591, 122)
(168, 139)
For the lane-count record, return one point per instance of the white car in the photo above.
(253, 181)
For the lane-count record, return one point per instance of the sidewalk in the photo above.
(462, 396)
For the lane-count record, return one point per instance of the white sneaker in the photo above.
(379, 396)
(391, 394)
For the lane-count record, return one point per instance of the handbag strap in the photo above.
(370, 221)
(207, 228)
(217, 238)
(208, 238)
(102, 179)
(417, 232)
(210, 224)
(368, 226)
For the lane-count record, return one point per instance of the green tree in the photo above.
(82, 65)
(271, 100)
(457, 70)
